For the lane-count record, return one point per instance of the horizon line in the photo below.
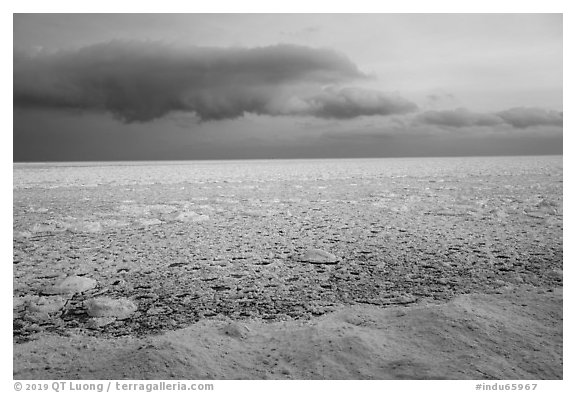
(290, 158)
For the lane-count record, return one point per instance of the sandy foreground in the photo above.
(514, 334)
(360, 269)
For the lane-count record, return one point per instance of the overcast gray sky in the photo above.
(199, 86)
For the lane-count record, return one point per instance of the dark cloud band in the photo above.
(350, 102)
(516, 117)
(528, 117)
(142, 81)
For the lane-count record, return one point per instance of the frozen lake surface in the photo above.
(133, 249)
(49, 175)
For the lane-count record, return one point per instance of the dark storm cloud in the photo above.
(142, 81)
(351, 102)
(515, 117)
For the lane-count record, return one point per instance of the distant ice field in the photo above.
(91, 174)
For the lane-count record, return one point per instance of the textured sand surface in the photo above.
(516, 334)
(126, 256)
